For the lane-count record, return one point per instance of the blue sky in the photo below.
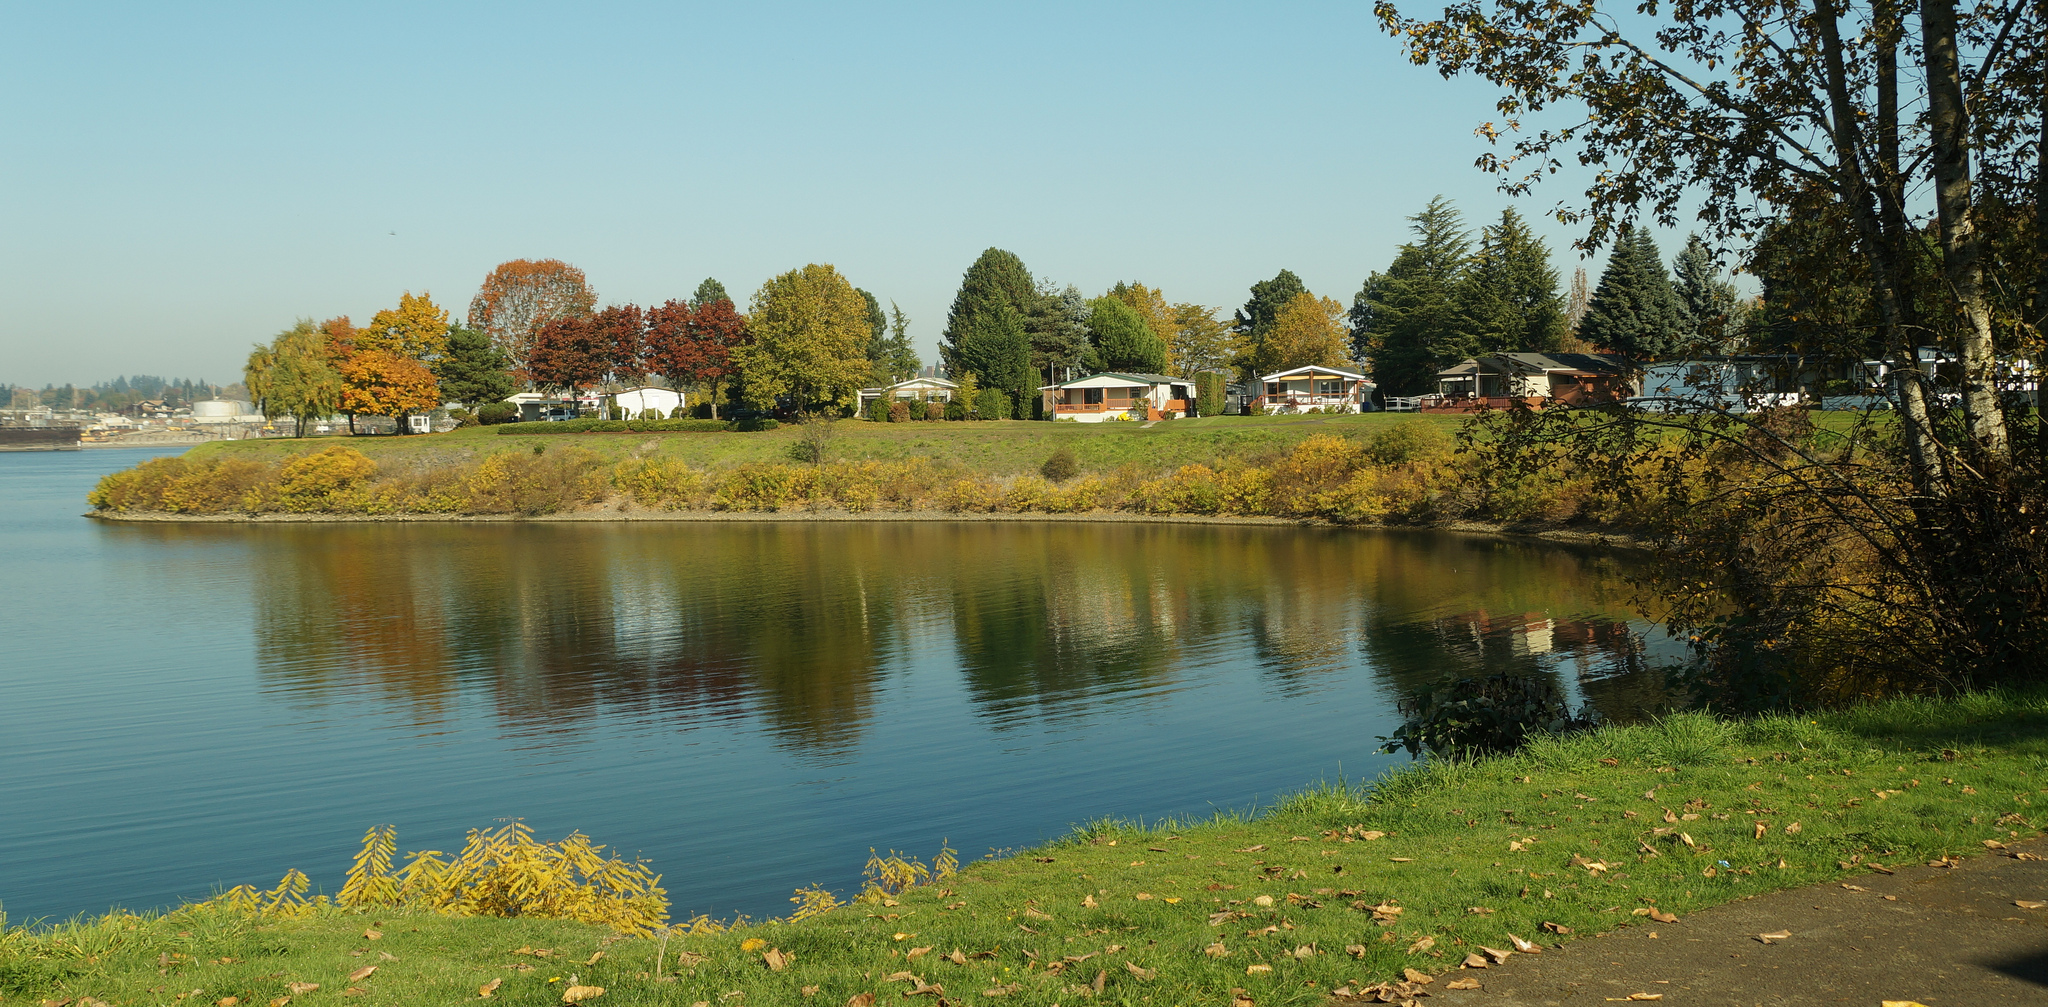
(184, 180)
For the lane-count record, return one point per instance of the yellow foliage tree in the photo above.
(418, 329)
(810, 336)
(381, 383)
(1308, 331)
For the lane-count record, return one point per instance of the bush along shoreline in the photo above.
(1411, 473)
(1426, 877)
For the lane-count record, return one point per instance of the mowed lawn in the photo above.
(1003, 447)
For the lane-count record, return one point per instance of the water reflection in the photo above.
(798, 625)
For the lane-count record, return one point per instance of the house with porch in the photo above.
(1301, 389)
(925, 388)
(1099, 398)
(1499, 380)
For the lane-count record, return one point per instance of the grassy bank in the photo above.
(1333, 888)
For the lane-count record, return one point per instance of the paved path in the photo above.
(1951, 938)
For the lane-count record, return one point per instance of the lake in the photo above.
(751, 706)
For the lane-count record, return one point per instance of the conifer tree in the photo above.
(1255, 320)
(1709, 301)
(1510, 291)
(1634, 311)
(994, 349)
(1411, 320)
(709, 292)
(1057, 325)
(1123, 342)
(995, 283)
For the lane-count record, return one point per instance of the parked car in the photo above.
(557, 415)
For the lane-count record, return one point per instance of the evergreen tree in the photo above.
(1057, 325)
(996, 281)
(1123, 342)
(897, 358)
(1268, 297)
(995, 350)
(1417, 321)
(1710, 302)
(884, 358)
(474, 370)
(1510, 291)
(1634, 311)
(709, 292)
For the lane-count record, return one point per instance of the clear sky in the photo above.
(181, 181)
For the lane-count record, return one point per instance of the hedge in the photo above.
(637, 426)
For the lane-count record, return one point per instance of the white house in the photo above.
(1101, 397)
(920, 389)
(638, 400)
(1301, 389)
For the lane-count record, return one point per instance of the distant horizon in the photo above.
(203, 178)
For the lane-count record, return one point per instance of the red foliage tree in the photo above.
(694, 347)
(623, 330)
(568, 353)
(522, 296)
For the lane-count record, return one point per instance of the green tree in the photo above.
(1307, 332)
(709, 292)
(1634, 310)
(810, 334)
(995, 350)
(1510, 291)
(1411, 319)
(995, 281)
(1710, 303)
(1201, 342)
(293, 376)
(1123, 342)
(473, 370)
(1057, 324)
(1268, 297)
(893, 358)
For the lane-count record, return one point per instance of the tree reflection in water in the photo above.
(797, 625)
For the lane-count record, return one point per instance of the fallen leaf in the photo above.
(1402, 860)
(1640, 996)
(354, 991)
(810, 991)
(1418, 978)
(372, 934)
(1993, 844)
(1775, 935)
(1253, 849)
(1143, 896)
(1761, 828)
(1355, 950)
(922, 989)
(1462, 984)
(2026, 904)
(1263, 901)
(227, 1002)
(777, 960)
(1793, 829)
(1556, 928)
(1900, 1003)
(1475, 961)
(901, 977)
(362, 973)
(594, 957)
(1252, 970)
(578, 994)
(1216, 950)
(1171, 900)
(1854, 888)
(279, 1002)
(1088, 902)
(1525, 947)
(1663, 917)
(1421, 945)
(956, 957)
(299, 988)
(1033, 914)
(1496, 954)
(861, 1000)
(1000, 991)
(489, 988)
(1132, 968)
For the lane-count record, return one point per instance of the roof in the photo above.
(1570, 363)
(1118, 379)
(926, 381)
(1316, 369)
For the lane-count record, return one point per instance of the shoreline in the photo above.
(616, 515)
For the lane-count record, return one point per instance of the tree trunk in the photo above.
(1961, 242)
(2040, 307)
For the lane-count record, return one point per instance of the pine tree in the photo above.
(996, 281)
(994, 349)
(1416, 318)
(1123, 342)
(474, 370)
(709, 292)
(1510, 291)
(897, 359)
(1256, 318)
(1057, 325)
(1710, 302)
(1634, 311)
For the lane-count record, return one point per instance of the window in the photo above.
(1329, 388)
(1274, 388)
(1091, 396)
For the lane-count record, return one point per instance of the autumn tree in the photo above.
(293, 377)
(810, 332)
(621, 328)
(519, 297)
(382, 383)
(568, 354)
(1201, 342)
(473, 370)
(1150, 304)
(1268, 297)
(417, 329)
(1308, 331)
(692, 346)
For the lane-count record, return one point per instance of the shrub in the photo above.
(701, 411)
(660, 483)
(899, 411)
(215, 487)
(1061, 467)
(514, 482)
(968, 495)
(877, 410)
(139, 488)
(1470, 717)
(1409, 441)
(934, 411)
(462, 417)
(956, 410)
(314, 481)
(992, 404)
(493, 413)
(763, 487)
(1313, 480)
(507, 873)
(652, 414)
(754, 424)
(1192, 489)
(1210, 394)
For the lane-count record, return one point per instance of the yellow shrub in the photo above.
(969, 495)
(1315, 479)
(765, 487)
(520, 482)
(508, 873)
(215, 487)
(856, 486)
(1077, 496)
(1246, 491)
(1192, 489)
(1024, 494)
(310, 482)
(139, 488)
(661, 483)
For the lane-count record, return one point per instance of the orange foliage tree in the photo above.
(521, 296)
(381, 383)
(417, 329)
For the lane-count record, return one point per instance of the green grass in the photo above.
(997, 448)
(1891, 784)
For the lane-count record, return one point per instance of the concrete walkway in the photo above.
(1944, 937)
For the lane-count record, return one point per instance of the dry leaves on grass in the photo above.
(1261, 969)
(362, 973)
(489, 988)
(1000, 991)
(1142, 973)
(861, 1000)
(578, 994)
(2029, 904)
(1421, 945)
(299, 989)
(777, 959)
(1525, 947)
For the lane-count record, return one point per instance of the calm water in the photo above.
(751, 706)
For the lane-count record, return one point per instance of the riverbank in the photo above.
(1332, 889)
(1347, 470)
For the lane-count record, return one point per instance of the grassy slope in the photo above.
(1871, 784)
(1002, 448)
